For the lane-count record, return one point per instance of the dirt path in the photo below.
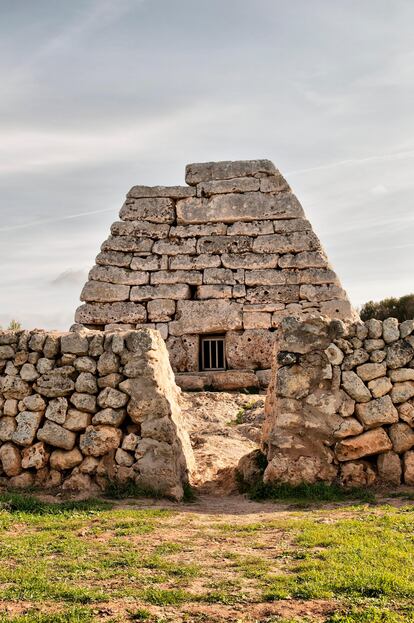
(223, 427)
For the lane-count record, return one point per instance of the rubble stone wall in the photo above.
(231, 252)
(82, 409)
(340, 406)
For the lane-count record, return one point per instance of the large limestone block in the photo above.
(140, 229)
(155, 210)
(214, 292)
(377, 412)
(178, 246)
(197, 172)
(56, 435)
(114, 258)
(235, 185)
(355, 387)
(402, 437)
(215, 276)
(183, 352)
(112, 398)
(231, 380)
(65, 459)
(174, 292)
(109, 416)
(305, 259)
(401, 375)
(195, 231)
(10, 459)
(389, 468)
(54, 384)
(357, 474)
(349, 427)
(119, 276)
(369, 443)
(101, 292)
(160, 310)
(206, 317)
(286, 243)
(250, 228)
(269, 294)
(86, 383)
(77, 420)
(99, 440)
(380, 387)
(56, 410)
(390, 330)
(27, 424)
(257, 320)
(273, 183)
(224, 244)
(74, 343)
(295, 470)
(194, 262)
(253, 261)
(14, 388)
(232, 208)
(106, 313)
(128, 244)
(7, 427)
(83, 402)
(172, 192)
(250, 349)
(190, 277)
(148, 263)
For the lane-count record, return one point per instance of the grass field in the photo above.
(226, 559)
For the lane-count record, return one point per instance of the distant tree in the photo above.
(14, 325)
(401, 308)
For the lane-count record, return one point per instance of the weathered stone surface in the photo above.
(196, 262)
(399, 354)
(273, 183)
(130, 442)
(249, 260)
(257, 320)
(56, 410)
(305, 259)
(401, 375)
(155, 210)
(370, 371)
(236, 185)
(28, 372)
(77, 420)
(27, 424)
(401, 392)
(108, 363)
(101, 313)
(184, 352)
(377, 412)
(86, 383)
(355, 387)
(206, 317)
(99, 440)
(128, 244)
(402, 437)
(160, 310)
(112, 398)
(150, 262)
(349, 427)
(249, 349)
(190, 277)
(406, 413)
(114, 258)
(406, 328)
(389, 468)
(33, 403)
(380, 387)
(178, 246)
(214, 292)
(62, 460)
(110, 416)
(299, 469)
(174, 292)
(374, 327)
(357, 474)
(356, 358)
(13, 387)
(124, 458)
(102, 292)
(140, 229)
(233, 379)
(233, 208)
(251, 228)
(10, 459)
(83, 402)
(369, 443)
(56, 435)
(408, 467)
(35, 456)
(227, 169)
(173, 192)
(334, 354)
(269, 294)
(390, 330)
(286, 243)
(7, 427)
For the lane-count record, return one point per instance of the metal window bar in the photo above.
(212, 353)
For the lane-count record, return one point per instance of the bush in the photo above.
(401, 308)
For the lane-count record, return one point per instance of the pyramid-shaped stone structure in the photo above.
(214, 266)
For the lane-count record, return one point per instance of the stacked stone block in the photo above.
(229, 253)
(340, 406)
(79, 410)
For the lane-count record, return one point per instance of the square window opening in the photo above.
(212, 353)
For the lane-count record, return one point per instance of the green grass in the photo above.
(306, 493)
(372, 615)
(74, 615)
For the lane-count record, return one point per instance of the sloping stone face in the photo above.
(337, 409)
(102, 404)
(231, 251)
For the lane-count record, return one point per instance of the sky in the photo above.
(99, 95)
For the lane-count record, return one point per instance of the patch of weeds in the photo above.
(307, 493)
(74, 615)
(20, 503)
(241, 413)
(120, 491)
(189, 493)
(371, 615)
(222, 597)
(142, 614)
(166, 597)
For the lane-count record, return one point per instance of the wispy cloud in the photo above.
(393, 156)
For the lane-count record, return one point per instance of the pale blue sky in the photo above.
(99, 95)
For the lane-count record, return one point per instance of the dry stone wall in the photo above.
(230, 253)
(81, 409)
(340, 406)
